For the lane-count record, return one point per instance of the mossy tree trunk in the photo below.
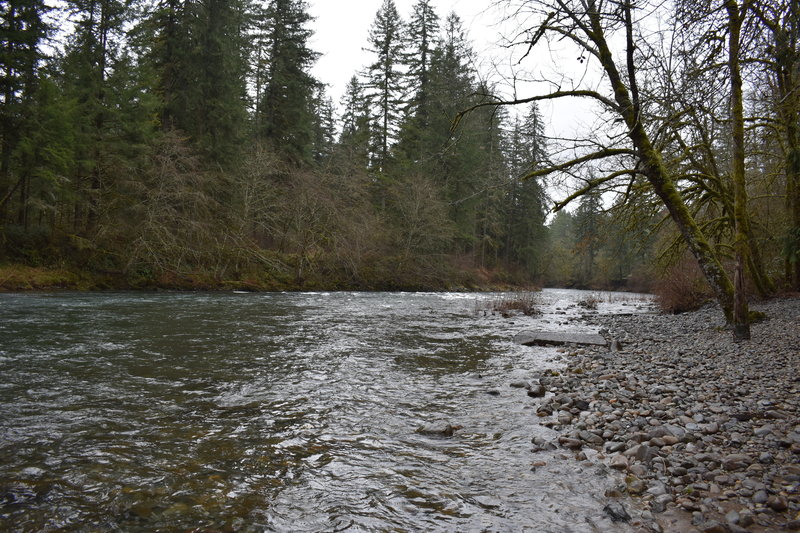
(741, 323)
(652, 165)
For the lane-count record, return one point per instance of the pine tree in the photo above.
(354, 141)
(21, 33)
(285, 110)
(422, 35)
(525, 234)
(384, 81)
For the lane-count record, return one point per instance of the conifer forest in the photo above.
(186, 144)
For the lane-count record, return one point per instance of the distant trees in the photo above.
(22, 33)
(526, 239)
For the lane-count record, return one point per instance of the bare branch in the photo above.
(591, 185)
(594, 156)
(579, 93)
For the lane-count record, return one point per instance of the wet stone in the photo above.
(619, 462)
(736, 461)
(694, 419)
(777, 503)
(572, 444)
(536, 391)
(617, 512)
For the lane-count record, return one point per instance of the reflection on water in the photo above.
(284, 412)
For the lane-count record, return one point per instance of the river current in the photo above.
(281, 412)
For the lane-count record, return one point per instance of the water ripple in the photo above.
(274, 412)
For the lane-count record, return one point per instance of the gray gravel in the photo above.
(705, 432)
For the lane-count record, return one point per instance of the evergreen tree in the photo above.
(422, 35)
(384, 81)
(460, 159)
(220, 112)
(21, 33)
(91, 55)
(163, 39)
(286, 108)
(588, 233)
(354, 140)
(198, 54)
(324, 126)
(525, 234)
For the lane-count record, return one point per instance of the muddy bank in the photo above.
(705, 432)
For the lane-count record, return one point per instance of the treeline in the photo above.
(185, 143)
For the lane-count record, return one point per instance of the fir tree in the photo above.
(525, 234)
(285, 111)
(198, 54)
(91, 55)
(384, 81)
(21, 33)
(354, 140)
(324, 126)
(422, 33)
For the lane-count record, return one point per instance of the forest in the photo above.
(185, 144)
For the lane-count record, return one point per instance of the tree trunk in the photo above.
(656, 172)
(741, 321)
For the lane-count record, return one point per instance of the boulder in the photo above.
(446, 430)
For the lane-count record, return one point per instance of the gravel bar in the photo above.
(704, 431)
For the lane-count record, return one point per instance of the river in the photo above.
(282, 412)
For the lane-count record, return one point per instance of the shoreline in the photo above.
(17, 277)
(704, 431)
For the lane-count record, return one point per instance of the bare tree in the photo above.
(625, 150)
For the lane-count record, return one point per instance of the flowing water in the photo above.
(280, 412)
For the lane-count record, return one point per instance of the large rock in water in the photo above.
(558, 338)
(438, 431)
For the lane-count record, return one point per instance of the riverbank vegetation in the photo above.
(160, 143)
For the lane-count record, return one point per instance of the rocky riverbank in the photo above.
(704, 431)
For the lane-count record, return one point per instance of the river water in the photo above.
(281, 412)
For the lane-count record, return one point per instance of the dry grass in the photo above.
(590, 302)
(20, 278)
(511, 303)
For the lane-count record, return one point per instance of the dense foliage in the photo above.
(185, 143)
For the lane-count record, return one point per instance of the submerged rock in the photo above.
(438, 431)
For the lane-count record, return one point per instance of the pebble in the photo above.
(694, 419)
